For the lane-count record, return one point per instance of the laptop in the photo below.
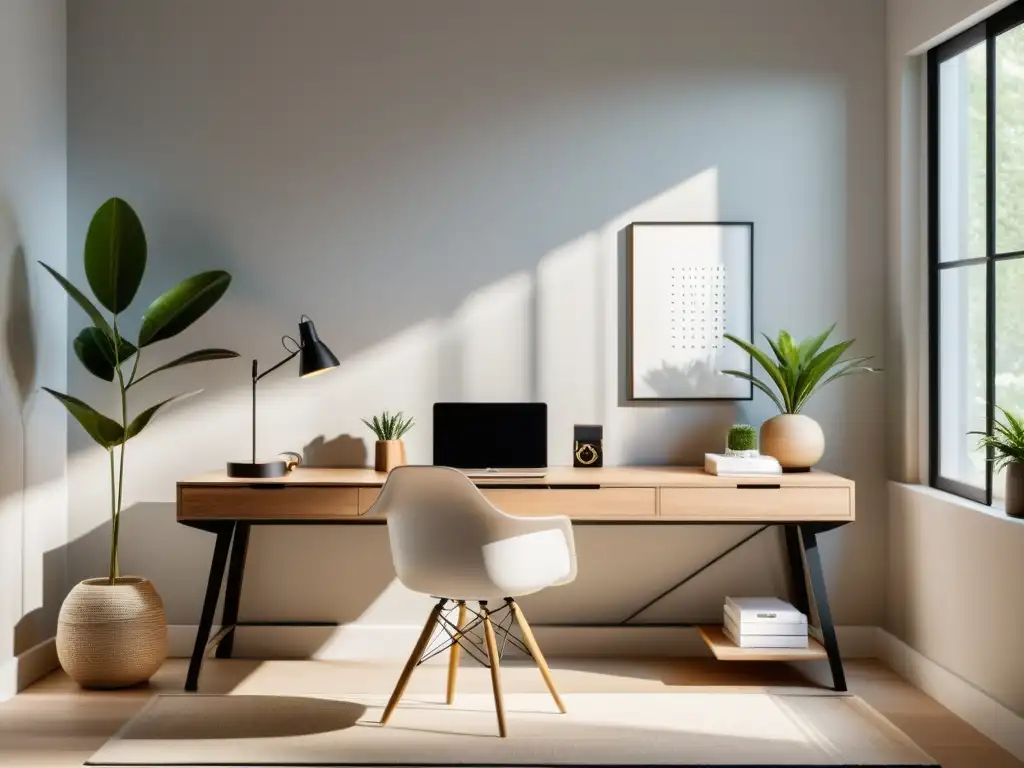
(492, 439)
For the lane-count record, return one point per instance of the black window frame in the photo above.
(985, 32)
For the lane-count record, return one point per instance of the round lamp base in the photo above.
(258, 470)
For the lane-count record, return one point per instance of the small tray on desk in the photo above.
(726, 650)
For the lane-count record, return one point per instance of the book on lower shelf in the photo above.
(764, 609)
(764, 622)
(764, 641)
(740, 466)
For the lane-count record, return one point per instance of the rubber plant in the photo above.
(115, 261)
(799, 369)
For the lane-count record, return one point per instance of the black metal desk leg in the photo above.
(220, 557)
(797, 573)
(233, 591)
(820, 596)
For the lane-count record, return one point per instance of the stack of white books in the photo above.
(764, 622)
(741, 466)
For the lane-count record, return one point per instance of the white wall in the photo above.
(952, 567)
(443, 187)
(33, 318)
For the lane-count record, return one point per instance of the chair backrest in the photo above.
(437, 524)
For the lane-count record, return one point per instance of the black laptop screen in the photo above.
(491, 435)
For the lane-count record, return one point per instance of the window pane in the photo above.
(1009, 342)
(962, 373)
(1009, 128)
(962, 156)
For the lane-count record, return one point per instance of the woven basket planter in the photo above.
(112, 635)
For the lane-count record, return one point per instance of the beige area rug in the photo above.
(601, 729)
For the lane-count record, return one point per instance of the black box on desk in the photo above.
(587, 450)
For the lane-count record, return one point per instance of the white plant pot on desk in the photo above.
(795, 440)
(112, 635)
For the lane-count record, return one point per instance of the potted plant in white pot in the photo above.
(389, 451)
(112, 631)
(798, 371)
(1007, 444)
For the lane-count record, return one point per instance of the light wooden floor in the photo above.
(55, 724)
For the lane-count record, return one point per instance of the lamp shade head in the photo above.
(314, 356)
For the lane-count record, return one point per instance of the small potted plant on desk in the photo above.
(111, 631)
(1007, 444)
(390, 449)
(798, 371)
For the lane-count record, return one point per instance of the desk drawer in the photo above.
(577, 503)
(758, 504)
(267, 502)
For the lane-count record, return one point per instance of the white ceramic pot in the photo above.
(112, 635)
(794, 439)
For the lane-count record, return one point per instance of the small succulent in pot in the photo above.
(389, 429)
(742, 441)
(1007, 445)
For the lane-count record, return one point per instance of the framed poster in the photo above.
(690, 283)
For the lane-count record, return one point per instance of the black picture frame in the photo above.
(631, 230)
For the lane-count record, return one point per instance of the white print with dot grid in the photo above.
(691, 286)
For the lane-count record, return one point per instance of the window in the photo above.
(976, 244)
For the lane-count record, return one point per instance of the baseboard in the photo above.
(32, 665)
(967, 702)
(365, 642)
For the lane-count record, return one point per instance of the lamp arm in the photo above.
(273, 368)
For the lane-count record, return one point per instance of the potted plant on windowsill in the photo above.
(798, 371)
(390, 450)
(1007, 444)
(111, 631)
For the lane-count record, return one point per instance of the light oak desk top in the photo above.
(606, 494)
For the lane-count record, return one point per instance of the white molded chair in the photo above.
(448, 541)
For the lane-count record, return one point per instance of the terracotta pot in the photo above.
(112, 635)
(794, 439)
(1015, 489)
(388, 455)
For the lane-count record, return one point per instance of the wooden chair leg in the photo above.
(456, 651)
(414, 657)
(492, 656)
(531, 643)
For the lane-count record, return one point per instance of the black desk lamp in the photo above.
(314, 358)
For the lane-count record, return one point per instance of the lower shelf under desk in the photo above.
(726, 650)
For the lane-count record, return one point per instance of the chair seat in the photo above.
(513, 567)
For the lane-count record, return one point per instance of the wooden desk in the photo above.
(805, 504)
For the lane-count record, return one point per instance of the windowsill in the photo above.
(996, 512)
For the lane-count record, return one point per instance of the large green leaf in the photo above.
(789, 367)
(80, 298)
(816, 369)
(847, 368)
(766, 363)
(96, 352)
(115, 254)
(102, 429)
(181, 306)
(809, 347)
(90, 350)
(200, 356)
(760, 385)
(139, 422)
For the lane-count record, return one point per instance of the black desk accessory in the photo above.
(314, 358)
(587, 450)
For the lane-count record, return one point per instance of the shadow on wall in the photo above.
(19, 331)
(340, 451)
